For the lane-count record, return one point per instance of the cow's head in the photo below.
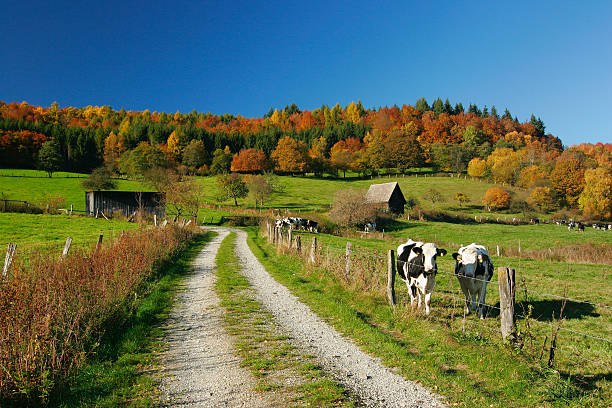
(471, 262)
(429, 252)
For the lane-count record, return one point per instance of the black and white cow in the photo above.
(474, 269)
(416, 265)
(311, 226)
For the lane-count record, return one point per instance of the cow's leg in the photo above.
(466, 292)
(481, 300)
(427, 303)
(412, 291)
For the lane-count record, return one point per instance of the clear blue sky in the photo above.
(542, 57)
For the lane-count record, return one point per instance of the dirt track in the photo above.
(202, 370)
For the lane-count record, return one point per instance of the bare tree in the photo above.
(434, 196)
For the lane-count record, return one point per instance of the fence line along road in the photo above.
(281, 237)
(357, 250)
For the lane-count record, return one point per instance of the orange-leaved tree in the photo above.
(543, 198)
(496, 198)
(290, 156)
(345, 154)
(250, 161)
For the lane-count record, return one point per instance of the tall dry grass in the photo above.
(54, 310)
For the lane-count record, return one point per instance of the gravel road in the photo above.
(360, 373)
(201, 368)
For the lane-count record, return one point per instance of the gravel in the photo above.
(361, 374)
(201, 368)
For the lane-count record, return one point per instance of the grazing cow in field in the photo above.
(311, 226)
(474, 269)
(370, 226)
(416, 265)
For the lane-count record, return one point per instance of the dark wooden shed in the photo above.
(387, 196)
(125, 203)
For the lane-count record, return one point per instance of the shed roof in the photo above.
(381, 193)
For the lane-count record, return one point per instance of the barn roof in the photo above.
(381, 193)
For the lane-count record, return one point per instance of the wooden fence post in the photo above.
(498, 250)
(391, 278)
(347, 265)
(290, 238)
(99, 244)
(155, 220)
(313, 250)
(66, 247)
(70, 209)
(298, 244)
(506, 279)
(10, 252)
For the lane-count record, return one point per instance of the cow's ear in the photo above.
(441, 252)
(417, 250)
(457, 256)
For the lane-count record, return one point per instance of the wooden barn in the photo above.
(387, 196)
(124, 203)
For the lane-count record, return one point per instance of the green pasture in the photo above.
(36, 187)
(528, 237)
(541, 283)
(462, 360)
(309, 194)
(38, 231)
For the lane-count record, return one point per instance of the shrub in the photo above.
(99, 179)
(349, 209)
(50, 203)
(243, 221)
(54, 310)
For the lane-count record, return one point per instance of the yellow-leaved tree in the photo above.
(596, 198)
(290, 156)
(113, 149)
(477, 167)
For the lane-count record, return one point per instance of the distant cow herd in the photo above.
(571, 224)
(297, 224)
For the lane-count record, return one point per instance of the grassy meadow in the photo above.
(36, 187)
(549, 260)
(450, 351)
(44, 231)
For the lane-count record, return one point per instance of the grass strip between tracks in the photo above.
(281, 372)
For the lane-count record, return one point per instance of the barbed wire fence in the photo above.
(348, 260)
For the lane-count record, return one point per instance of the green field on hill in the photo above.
(301, 193)
(44, 231)
(37, 188)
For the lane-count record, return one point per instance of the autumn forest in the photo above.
(331, 141)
